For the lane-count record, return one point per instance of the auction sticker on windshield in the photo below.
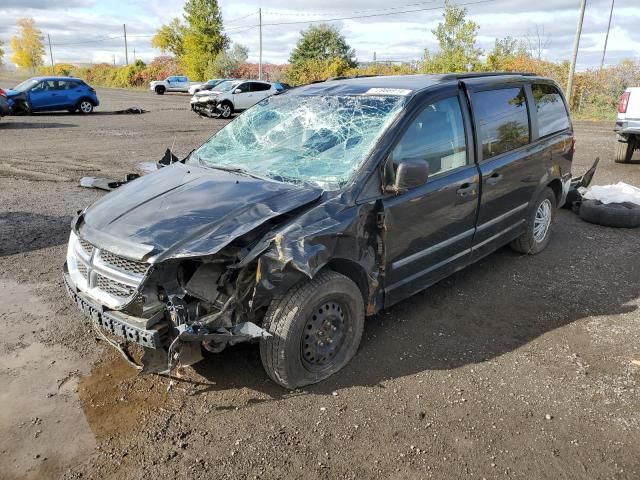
(388, 91)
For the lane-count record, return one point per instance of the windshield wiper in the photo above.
(238, 170)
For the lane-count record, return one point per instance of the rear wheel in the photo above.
(624, 150)
(538, 232)
(316, 328)
(85, 106)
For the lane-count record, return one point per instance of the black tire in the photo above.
(624, 151)
(619, 215)
(301, 315)
(226, 112)
(85, 106)
(160, 90)
(531, 242)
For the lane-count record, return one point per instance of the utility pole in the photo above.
(576, 44)
(126, 49)
(134, 54)
(260, 28)
(51, 54)
(606, 38)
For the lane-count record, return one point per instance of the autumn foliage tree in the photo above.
(321, 52)
(1, 54)
(457, 41)
(27, 46)
(197, 41)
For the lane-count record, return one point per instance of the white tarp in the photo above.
(619, 193)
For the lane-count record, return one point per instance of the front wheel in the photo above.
(538, 233)
(160, 90)
(226, 110)
(316, 328)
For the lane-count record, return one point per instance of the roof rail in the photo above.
(459, 76)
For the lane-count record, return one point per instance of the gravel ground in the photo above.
(517, 367)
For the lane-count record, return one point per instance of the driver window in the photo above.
(436, 136)
(242, 88)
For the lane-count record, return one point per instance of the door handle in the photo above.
(494, 178)
(466, 189)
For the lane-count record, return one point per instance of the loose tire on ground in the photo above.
(619, 215)
(539, 221)
(624, 151)
(301, 316)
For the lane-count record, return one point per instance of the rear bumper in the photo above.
(627, 126)
(113, 322)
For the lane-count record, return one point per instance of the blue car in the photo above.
(46, 94)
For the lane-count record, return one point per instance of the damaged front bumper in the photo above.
(158, 338)
(206, 107)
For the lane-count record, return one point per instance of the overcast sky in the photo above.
(84, 31)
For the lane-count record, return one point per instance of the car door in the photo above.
(61, 94)
(172, 83)
(183, 83)
(262, 90)
(40, 95)
(243, 96)
(510, 165)
(429, 229)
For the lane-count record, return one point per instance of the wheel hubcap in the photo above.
(85, 107)
(542, 221)
(226, 111)
(323, 336)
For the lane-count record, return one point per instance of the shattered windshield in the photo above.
(302, 139)
(26, 85)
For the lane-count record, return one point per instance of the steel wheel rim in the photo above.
(324, 335)
(542, 221)
(85, 107)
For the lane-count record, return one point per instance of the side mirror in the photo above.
(412, 173)
(237, 90)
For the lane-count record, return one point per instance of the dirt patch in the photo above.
(40, 409)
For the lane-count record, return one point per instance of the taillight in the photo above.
(3, 93)
(624, 101)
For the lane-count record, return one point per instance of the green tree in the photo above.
(203, 38)
(322, 42)
(505, 50)
(227, 61)
(457, 41)
(27, 45)
(170, 38)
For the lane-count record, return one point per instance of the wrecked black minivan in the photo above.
(318, 207)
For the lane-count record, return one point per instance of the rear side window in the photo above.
(552, 114)
(502, 120)
(259, 87)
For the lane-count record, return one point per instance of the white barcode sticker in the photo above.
(388, 91)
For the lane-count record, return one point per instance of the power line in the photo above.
(324, 14)
(240, 18)
(353, 17)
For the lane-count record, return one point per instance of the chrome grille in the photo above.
(114, 288)
(86, 246)
(82, 268)
(112, 280)
(123, 264)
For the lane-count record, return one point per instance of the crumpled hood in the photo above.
(12, 93)
(186, 211)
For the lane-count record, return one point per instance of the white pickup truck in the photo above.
(628, 125)
(175, 83)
